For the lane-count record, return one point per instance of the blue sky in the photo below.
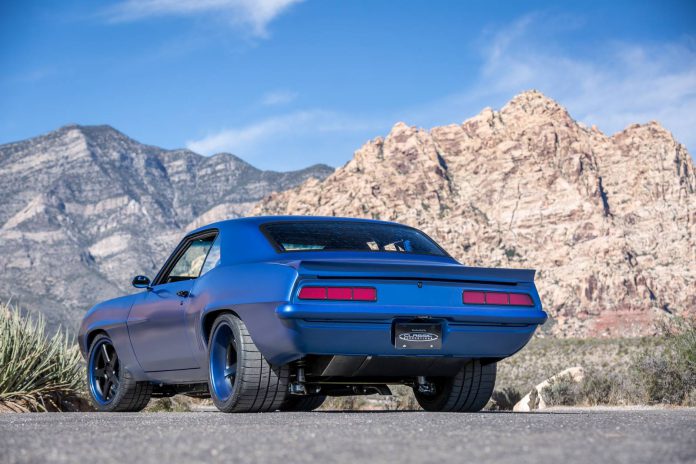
(288, 83)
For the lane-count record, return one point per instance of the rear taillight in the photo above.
(474, 297)
(496, 298)
(521, 299)
(364, 294)
(313, 293)
(338, 293)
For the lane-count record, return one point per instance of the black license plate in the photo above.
(417, 336)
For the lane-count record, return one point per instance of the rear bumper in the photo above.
(350, 329)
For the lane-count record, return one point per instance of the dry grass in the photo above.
(545, 357)
(662, 373)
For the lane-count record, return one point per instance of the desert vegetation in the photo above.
(663, 372)
(37, 372)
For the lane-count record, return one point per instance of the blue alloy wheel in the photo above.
(111, 386)
(240, 379)
(223, 361)
(104, 372)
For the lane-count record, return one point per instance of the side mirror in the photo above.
(141, 281)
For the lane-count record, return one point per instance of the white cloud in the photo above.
(255, 14)
(278, 97)
(619, 84)
(245, 139)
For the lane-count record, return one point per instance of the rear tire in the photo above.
(302, 403)
(112, 388)
(240, 379)
(468, 391)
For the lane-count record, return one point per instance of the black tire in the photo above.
(255, 386)
(127, 396)
(302, 403)
(468, 391)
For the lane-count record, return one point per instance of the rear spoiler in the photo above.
(411, 270)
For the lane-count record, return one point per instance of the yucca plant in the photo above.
(37, 372)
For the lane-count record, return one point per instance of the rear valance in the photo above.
(411, 270)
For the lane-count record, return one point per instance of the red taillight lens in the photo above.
(521, 299)
(338, 293)
(364, 294)
(473, 297)
(496, 298)
(313, 293)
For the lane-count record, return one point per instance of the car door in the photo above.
(157, 320)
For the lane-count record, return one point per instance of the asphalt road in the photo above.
(653, 436)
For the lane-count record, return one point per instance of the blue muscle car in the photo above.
(277, 313)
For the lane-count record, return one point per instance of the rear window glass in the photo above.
(349, 236)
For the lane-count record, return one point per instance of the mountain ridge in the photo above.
(86, 207)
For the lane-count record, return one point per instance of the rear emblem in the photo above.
(418, 337)
(420, 284)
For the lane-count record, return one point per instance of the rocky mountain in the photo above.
(609, 222)
(84, 208)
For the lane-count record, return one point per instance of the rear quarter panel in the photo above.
(253, 291)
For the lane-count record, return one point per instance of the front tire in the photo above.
(111, 387)
(468, 391)
(240, 379)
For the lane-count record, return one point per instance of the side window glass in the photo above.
(213, 258)
(189, 265)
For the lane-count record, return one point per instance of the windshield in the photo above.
(349, 236)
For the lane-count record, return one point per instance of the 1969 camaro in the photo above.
(277, 313)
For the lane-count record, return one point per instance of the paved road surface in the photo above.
(653, 436)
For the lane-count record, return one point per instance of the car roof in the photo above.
(257, 247)
(256, 221)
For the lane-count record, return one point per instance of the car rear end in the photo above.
(375, 300)
(390, 308)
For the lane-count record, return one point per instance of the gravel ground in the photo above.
(564, 435)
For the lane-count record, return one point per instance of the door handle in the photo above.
(183, 293)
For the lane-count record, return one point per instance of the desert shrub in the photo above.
(37, 372)
(668, 375)
(504, 399)
(561, 391)
(605, 387)
(597, 387)
(661, 373)
(610, 387)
